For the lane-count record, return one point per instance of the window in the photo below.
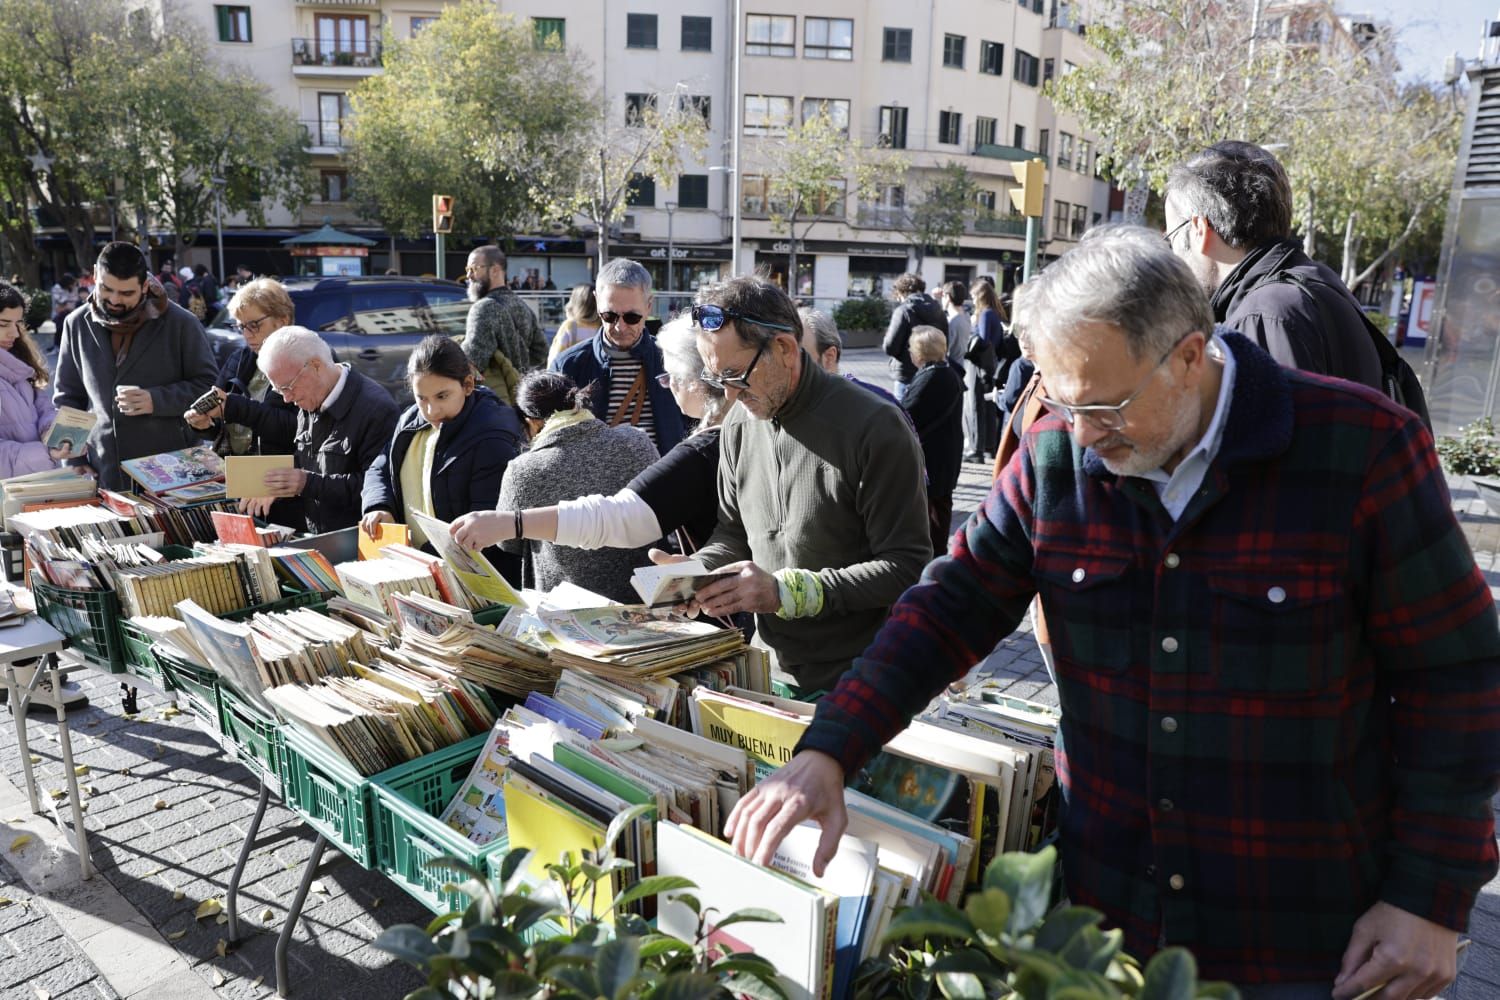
(770, 35)
(897, 45)
(697, 34)
(343, 33)
(701, 103)
(1025, 68)
(418, 23)
(1049, 66)
(991, 58)
(1080, 220)
(640, 31)
(636, 106)
(641, 192)
(893, 127)
(986, 201)
(830, 203)
(1020, 137)
(692, 191)
(1067, 67)
(1061, 215)
(234, 23)
(827, 38)
(333, 109)
(551, 32)
(894, 196)
(984, 131)
(335, 184)
(836, 109)
(950, 127)
(767, 115)
(1065, 151)
(1044, 143)
(953, 51)
(1081, 164)
(753, 195)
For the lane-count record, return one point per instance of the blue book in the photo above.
(564, 715)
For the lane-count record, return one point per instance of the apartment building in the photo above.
(933, 82)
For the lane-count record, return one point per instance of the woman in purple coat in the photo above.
(26, 411)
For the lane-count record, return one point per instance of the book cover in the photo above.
(473, 570)
(385, 534)
(235, 528)
(174, 469)
(538, 822)
(245, 475)
(850, 876)
(661, 586)
(72, 428)
(767, 734)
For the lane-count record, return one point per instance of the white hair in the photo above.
(297, 344)
(622, 272)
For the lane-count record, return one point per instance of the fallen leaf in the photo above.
(129, 717)
(20, 842)
(208, 908)
(258, 980)
(35, 759)
(81, 770)
(375, 903)
(320, 888)
(218, 978)
(176, 935)
(42, 994)
(92, 723)
(222, 918)
(5, 901)
(177, 894)
(267, 915)
(222, 948)
(125, 771)
(91, 789)
(159, 804)
(57, 793)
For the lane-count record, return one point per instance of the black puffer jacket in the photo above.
(918, 309)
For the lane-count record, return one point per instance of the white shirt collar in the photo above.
(333, 394)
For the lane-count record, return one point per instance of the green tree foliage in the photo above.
(935, 218)
(475, 106)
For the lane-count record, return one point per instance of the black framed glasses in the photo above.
(251, 327)
(1106, 417)
(630, 318)
(1171, 234)
(711, 318)
(739, 382)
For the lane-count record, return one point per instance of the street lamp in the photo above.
(218, 183)
(671, 211)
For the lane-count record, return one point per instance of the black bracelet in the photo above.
(520, 526)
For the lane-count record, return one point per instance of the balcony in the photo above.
(322, 57)
(322, 138)
(980, 222)
(1014, 153)
(985, 224)
(881, 217)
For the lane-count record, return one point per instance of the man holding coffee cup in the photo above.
(136, 359)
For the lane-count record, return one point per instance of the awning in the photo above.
(328, 236)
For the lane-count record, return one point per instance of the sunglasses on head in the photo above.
(711, 318)
(630, 318)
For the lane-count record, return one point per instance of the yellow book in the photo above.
(538, 822)
(767, 734)
(245, 475)
(385, 534)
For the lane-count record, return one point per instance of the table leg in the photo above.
(294, 914)
(65, 740)
(232, 897)
(18, 709)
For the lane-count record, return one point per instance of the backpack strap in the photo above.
(634, 401)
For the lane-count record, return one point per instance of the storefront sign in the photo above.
(834, 246)
(680, 252)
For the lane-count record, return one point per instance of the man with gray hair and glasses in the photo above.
(1278, 664)
(623, 360)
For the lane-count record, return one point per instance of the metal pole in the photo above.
(218, 183)
(1033, 237)
(734, 142)
(671, 211)
(442, 265)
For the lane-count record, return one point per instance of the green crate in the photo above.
(325, 790)
(405, 804)
(254, 736)
(539, 931)
(199, 686)
(140, 657)
(89, 618)
(492, 615)
(314, 599)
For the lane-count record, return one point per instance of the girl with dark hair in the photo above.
(573, 454)
(450, 450)
(26, 411)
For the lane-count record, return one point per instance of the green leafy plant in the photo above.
(1004, 943)
(38, 307)
(516, 941)
(1473, 451)
(873, 313)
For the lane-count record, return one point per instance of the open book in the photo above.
(473, 570)
(72, 427)
(673, 583)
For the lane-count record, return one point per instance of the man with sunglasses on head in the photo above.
(822, 508)
(622, 361)
(1278, 664)
(136, 359)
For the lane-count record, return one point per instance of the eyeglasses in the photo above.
(664, 380)
(252, 327)
(1172, 234)
(630, 318)
(711, 318)
(286, 390)
(737, 382)
(1108, 418)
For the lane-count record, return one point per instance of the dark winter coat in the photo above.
(234, 378)
(934, 399)
(590, 362)
(918, 309)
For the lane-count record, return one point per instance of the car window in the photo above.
(388, 310)
(321, 310)
(448, 310)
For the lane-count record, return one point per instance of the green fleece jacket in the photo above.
(832, 484)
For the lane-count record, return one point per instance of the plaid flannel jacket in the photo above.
(1276, 711)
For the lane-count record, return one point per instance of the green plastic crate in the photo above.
(140, 657)
(199, 686)
(492, 615)
(405, 804)
(254, 736)
(536, 932)
(326, 791)
(89, 618)
(314, 599)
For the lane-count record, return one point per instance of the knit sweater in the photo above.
(833, 484)
(502, 322)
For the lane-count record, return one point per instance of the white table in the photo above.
(33, 639)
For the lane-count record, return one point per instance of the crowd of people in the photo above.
(1278, 664)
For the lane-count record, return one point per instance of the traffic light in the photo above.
(1032, 176)
(442, 213)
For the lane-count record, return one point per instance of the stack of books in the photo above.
(179, 478)
(48, 488)
(90, 565)
(446, 635)
(374, 583)
(180, 521)
(635, 642)
(306, 569)
(214, 581)
(70, 525)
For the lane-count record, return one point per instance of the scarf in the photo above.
(122, 329)
(559, 420)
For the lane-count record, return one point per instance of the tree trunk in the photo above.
(603, 214)
(1135, 203)
(1396, 244)
(1310, 237)
(1350, 259)
(791, 255)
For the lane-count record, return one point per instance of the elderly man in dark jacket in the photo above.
(134, 358)
(1229, 216)
(914, 308)
(342, 423)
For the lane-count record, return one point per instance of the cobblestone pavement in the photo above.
(130, 932)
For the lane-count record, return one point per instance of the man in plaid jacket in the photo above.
(1278, 664)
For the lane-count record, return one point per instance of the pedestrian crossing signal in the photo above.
(442, 213)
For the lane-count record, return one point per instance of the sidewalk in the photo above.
(127, 934)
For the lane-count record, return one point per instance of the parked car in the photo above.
(373, 322)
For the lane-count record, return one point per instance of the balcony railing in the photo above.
(329, 134)
(319, 52)
(979, 222)
(995, 225)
